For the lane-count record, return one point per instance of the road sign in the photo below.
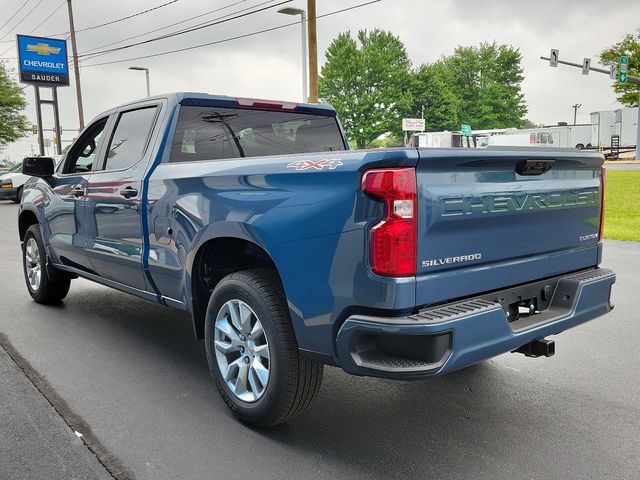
(586, 65)
(465, 129)
(413, 124)
(623, 70)
(553, 58)
(613, 71)
(43, 61)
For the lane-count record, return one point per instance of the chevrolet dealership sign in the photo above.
(43, 61)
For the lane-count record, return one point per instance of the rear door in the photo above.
(493, 218)
(114, 193)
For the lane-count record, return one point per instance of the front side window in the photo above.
(212, 133)
(83, 153)
(130, 138)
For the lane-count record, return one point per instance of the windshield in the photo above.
(16, 168)
(212, 133)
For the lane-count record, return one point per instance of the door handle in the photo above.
(129, 192)
(78, 191)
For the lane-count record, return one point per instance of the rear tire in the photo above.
(252, 351)
(45, 285)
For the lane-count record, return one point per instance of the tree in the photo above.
(13, 125)
(487, 80)
(368, 82)
(629, 46)
(434, 94)
(526, 123)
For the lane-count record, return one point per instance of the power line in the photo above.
(196, 46)
(127, 17)
(230, 38)
(89, 28)
(22, 20)
(40, 24)
(208, 22)
(16, 13)
(165, 27)
(48, 16)
(119, 19)
(187, 30)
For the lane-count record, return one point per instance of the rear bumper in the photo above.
(442, 339)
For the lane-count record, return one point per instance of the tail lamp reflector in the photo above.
(392, 242)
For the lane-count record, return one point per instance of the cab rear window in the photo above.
(212, 133)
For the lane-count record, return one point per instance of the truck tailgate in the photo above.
(490, 218)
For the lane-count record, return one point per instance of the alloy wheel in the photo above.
(242, 351)
(33, 263)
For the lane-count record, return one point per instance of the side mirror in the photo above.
(42, 167)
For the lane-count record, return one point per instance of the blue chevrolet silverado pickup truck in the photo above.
(290, 252)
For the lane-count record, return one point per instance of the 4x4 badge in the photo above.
(315, 165)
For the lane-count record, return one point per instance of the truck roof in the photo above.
(205, 99)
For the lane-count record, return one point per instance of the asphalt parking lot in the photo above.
(132, 376)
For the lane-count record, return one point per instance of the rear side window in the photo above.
(130, 137)
(211, 133)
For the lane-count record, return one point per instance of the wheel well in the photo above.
(27, 218)
(216, 259)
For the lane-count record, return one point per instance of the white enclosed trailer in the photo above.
(562, 136)
(578, 136)
(603, 125)
(434, 139)
(627, 126)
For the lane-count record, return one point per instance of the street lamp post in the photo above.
(303, 25)
(146, 71)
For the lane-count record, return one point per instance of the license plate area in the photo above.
(525, 301)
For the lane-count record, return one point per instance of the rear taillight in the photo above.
(392, 242)
(603, 178)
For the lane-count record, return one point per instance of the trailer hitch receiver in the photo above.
(538, 348)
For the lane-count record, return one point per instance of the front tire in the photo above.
(45, 285)
(252, 352)
(18, 195)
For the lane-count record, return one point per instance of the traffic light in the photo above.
(34, 129)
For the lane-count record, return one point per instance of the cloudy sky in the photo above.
(268, 65)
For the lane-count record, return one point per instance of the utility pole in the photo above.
(575, 111)
(313, 52)
(76, 67)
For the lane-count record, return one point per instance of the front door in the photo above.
(66, 212)
(115, 240)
